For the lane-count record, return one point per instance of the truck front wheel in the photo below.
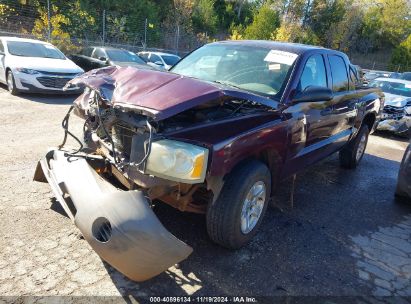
(352, 153)
(233, 219)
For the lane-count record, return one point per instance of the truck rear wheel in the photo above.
(352, 153)
(233, 219)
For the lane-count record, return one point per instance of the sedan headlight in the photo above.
(27, 71)
(407, 110)
(177, 161)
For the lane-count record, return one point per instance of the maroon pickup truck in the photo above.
(213, 136)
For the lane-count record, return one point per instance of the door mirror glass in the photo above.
(313, 93)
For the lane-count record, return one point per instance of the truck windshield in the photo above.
(251, 68)
(33, 49)
(391, 87)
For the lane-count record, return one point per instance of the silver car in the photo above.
(396, 116)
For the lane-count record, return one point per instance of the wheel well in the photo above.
(369, 120)
(268, 157)
(7, 71)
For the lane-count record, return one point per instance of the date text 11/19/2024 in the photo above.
(203, 299)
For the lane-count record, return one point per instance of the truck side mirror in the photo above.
(313, 93)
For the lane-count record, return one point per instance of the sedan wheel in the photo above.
(11, 85)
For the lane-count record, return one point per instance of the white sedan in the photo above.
(159, 60)
(28, 65)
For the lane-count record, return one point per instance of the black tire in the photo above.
(224, 215)
(11, 84)
(349, 158)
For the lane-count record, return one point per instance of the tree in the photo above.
(58, 36)
(265, 23)
(204, 17)
(386, 22)
(343, 35)
(401, 55)
(295, 32)
(323, 16)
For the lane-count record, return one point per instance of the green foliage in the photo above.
(360, 26)
(401, 55)
(265, 23)
(5, 12)
(204, 16)
(387, 21)
(324, 15)
(58, 36)
(293, 32)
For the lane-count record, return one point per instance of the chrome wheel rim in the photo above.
(361, 147)
(253, 206)
(10, 82)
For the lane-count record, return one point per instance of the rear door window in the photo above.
(339, 73)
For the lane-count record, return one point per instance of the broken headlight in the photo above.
(177, 161)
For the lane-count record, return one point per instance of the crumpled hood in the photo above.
(156, 93)
(396, 100)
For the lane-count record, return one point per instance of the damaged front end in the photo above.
(396, 119)
(128, 158)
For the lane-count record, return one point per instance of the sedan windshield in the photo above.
(255, 69)
(391, 87)
(124, 56)
(33, 49)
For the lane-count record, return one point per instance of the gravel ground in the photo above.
(345, 236)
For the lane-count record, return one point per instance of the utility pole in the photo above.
(104, 26)
(177, 38)
(48, 22)
(145, 34)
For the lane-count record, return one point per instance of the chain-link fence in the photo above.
(378, 65)
(43, 20)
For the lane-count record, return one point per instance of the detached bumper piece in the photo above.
(119, 225)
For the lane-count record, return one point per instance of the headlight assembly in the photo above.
(27, 71)
(177, 161)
